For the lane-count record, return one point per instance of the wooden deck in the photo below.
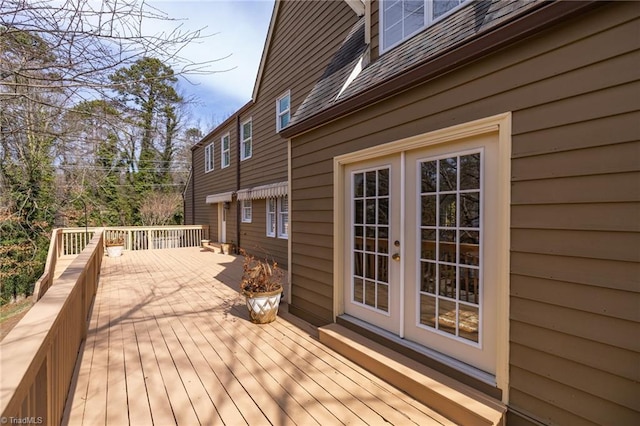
(170, 343)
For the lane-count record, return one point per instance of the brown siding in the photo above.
(306, 36)
(253, 236)
(374, 49)
(573, 91)
(217, 181)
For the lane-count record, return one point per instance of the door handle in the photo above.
(395, 257)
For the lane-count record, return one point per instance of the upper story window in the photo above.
(225, 151)
(283, 111)
(208, 158)
(246, 146)
(400, 19)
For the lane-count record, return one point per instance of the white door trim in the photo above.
(500, 124)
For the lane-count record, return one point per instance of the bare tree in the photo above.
(85, 40)
(159, 208)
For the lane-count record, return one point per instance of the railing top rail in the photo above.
(126, 228)
(49, 267)
(25, 347)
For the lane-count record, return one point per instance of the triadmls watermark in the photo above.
(22, 420)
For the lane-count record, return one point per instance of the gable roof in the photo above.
(265, 49)
(355, 6)
(472, 32)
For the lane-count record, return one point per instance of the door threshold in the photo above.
(451, 398)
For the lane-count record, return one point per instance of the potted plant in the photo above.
(114, 245)
(262, 287)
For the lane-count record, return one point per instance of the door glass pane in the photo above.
(383, 269)
(447, 280)
(470, 171)
(469, 285)
(383, 239)
(448, 210)
(468, 322)
(429, 178)
(447, 246)
(428, 310)
(383, 182)
(448, 174)
(447, 316)
(383, 211)
(370, 293)
(428, 245)
(450, 240)
(357, 290)
(428, 210)
(371, 200)
(370, 186)
(383, 297)
(470, 247)
(428, 277)
(470, 210)
(358, 184)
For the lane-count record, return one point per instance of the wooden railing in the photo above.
(76, 239)
(55, 251)
(37, 357)
(158, 237)
(139, 237)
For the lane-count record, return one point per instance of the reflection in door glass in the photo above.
(450, 240)
(370, 280)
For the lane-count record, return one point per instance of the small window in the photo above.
(225, 152)
(208, 158)
(246, 132)
(401, 19)
(278, 217)
(283, 111)
(246, 211)
(283, 217)
(271, 217)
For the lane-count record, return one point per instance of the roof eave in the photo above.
(521, 27)
(225, 123)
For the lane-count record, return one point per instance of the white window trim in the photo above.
(271, 218)
(279, 113)
(244, 141)
(246, 206)
(280, 213)
(428, 7)
(222, 151)
(209, 157)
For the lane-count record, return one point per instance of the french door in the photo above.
(419, 233)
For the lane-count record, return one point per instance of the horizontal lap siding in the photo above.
(253, 236)
(216, 181)
(306, 35)
(573, 91)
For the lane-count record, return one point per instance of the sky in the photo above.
(237, 30)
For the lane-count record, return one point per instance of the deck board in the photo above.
(170, 342)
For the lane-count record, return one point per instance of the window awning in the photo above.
(263, 191)
(219, 198)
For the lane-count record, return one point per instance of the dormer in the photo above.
(392, 22)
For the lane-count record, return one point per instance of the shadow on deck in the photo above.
(170, 342)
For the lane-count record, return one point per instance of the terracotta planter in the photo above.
(114, 251)
(263, 307)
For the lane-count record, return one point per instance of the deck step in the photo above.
(454, 400)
